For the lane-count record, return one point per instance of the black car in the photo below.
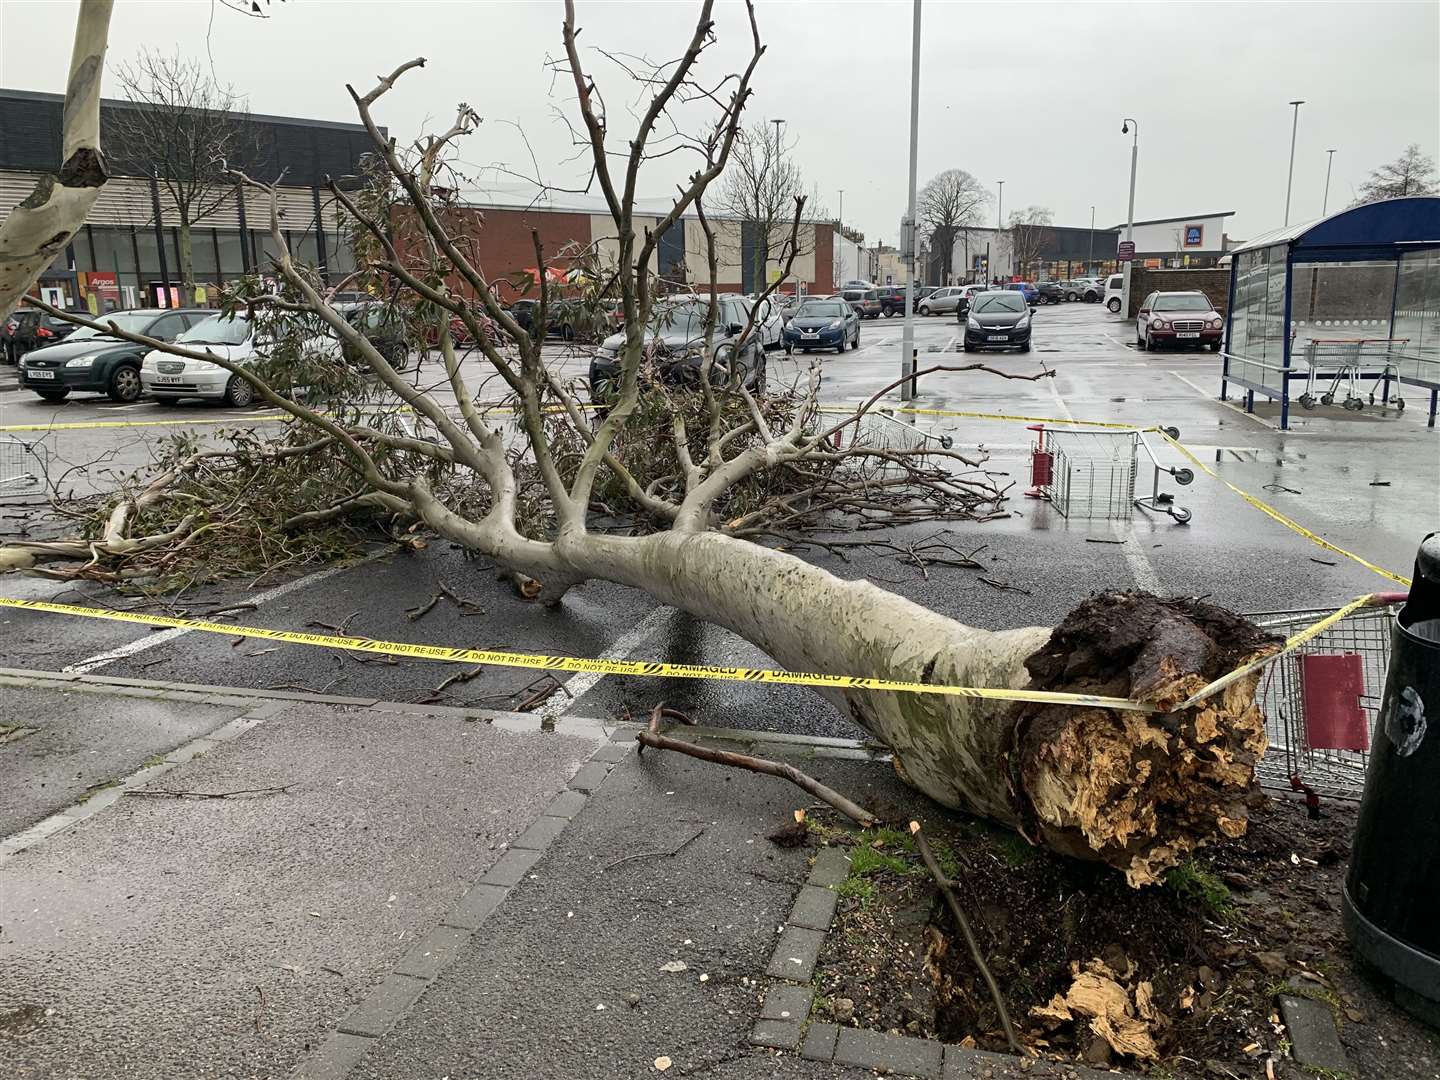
(1050, 292)
(998, 320)
(892, 300)
(31, 328)
(677, 339)
(823, 324)
(383, 326)
(92, 361)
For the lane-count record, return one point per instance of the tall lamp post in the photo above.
(1090, 258)
(907, 345)
(760, 286)
(1329, 161)
(1000, 216)
(1290, 179)
(840, 241)
(1125, 126)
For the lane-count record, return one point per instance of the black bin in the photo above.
(1391, 900)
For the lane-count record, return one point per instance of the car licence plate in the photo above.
(998, 337)
(809, 333)
(168, 379)
(1189, 334)
(37, 373)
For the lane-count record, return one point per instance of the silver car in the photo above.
(942, 301)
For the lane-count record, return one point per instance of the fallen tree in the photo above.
(706, 465)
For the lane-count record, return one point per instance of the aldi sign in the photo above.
(1194, 235)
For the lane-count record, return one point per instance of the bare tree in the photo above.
(949, 202)
(181, 129)
(41, 226)
(1412, 173)
(1029, 235)
(759, 187)
(708, 466)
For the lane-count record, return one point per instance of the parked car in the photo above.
(866, 302)
(967, 297)
(1115, 292)
(1050, 292)
(1083, 288)
(1178, 318)
(1025, 289)
(383, 326)
(92, 361)
(892, 300)
(942, 301)
(769, 324)
(31, 328)
(998, 319)
(823, 324)
(922, 292)
(168, 378)
(678, 335)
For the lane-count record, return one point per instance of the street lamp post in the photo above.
(907, 339)
(1000, 214)
(760, 286)
(1290, 179)
(1090, 258)
(840, 241)
(1125, 126)
(1329, 161)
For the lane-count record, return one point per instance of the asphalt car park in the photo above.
(1365, 482)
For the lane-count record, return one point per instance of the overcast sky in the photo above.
(1030, 93)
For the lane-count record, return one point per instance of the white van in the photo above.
(1115, 292)
(167, 378)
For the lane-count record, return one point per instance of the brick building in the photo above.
(502, 241)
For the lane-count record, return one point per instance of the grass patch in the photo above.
(1191, 881)
(1013, 849)
(857, 888)
(865, 861)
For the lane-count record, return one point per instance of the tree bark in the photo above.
(187, 265)
(1132, 789)
(39, 228)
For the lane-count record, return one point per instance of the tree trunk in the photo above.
(187, 265)
(1132, 789)
(39, 228)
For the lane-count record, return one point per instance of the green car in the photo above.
(90, 361)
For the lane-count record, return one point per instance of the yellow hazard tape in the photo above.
(648, 668)
(1288, 522)
(81, 425)
(660, 669)
(988, 416)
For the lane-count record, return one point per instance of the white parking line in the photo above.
(140, 645)
(1232, 408)
(580, 684)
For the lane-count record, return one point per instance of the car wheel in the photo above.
(1214, 346)
(1071, 297)
(924, 309)
(125, 384)
(1025, 347)
(1150, 343)
(53, 395)
(969, 347)
(1042, 299)
(238, 393)
(1113, 304)
(789, 349)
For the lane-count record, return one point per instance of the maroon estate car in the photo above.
(1178, 318)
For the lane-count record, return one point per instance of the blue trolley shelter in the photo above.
(1349, 306)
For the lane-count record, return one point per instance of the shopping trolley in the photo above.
(22, 464)
(1321, 700)
(1089, 473)
(1350, 360)
(877, 431)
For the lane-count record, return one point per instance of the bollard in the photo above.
(1393, 885)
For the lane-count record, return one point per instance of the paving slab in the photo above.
(1314, 1041)
(78, 741)
(231, 937)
